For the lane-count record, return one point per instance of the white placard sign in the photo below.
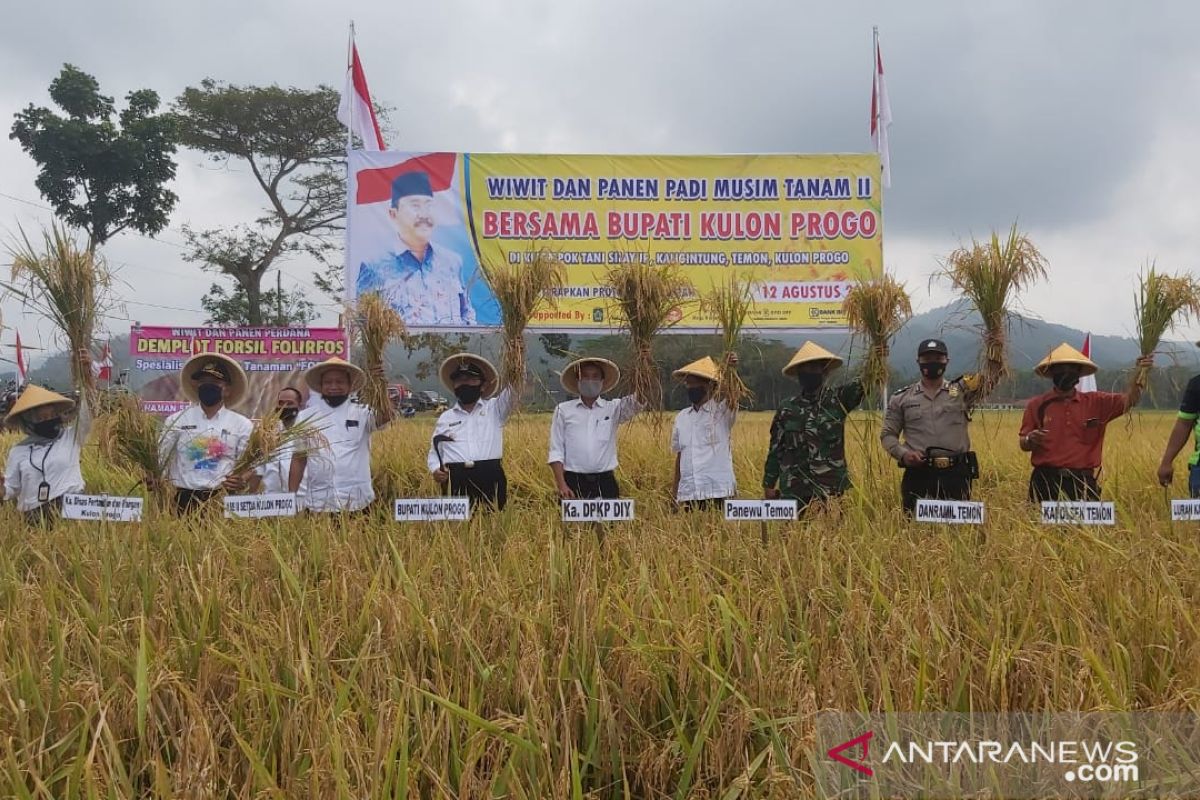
(950, 512)
(102, 507)
(759, 510)
(1185, 510)
(597, 510)
(254, 506)
(1078, 513)
(433, 509)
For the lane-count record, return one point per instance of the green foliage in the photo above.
(233, 307)
(101, 175)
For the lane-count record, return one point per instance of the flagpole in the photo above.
(876, 123)
(344, 323)
(350, 70)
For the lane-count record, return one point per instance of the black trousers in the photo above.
(707, 504)
(45, 515)
(589, 486)
(189, 500)
(1053, 483)
(935, 484)
(483, 482)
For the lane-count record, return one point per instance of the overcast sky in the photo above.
(1079, 119)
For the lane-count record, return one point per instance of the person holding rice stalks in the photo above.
(331, 468)
(277, 471)
(1063, 429)
(583, 431)
(700, 438)
(44, 466)
(468, 438)
(932, 416)
(201, 443)
(806, 457)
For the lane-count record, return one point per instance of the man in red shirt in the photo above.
(1064, 428)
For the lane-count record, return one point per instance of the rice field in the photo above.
(675, 657)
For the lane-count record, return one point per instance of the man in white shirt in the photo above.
(701, 439)
(277, 471)
(202, 442)
(583, 431)
(468, 439)
(331, 471)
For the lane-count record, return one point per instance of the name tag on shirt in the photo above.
(351, 423)
(950, 512)
(282, 504)
(597, 510)
(102, 508)
(1074, 513)
(433, 509)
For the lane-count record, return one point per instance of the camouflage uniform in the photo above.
(807, 454)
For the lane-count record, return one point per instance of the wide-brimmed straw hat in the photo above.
(312, 375)
(570, 375)
(471, 364)
(1065, 354)
(36, 397)
(809, 352)
(704, 368)
(216, 367)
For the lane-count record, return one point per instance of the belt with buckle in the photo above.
(941, 462)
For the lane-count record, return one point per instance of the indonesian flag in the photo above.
(102, 369)
(22, 369)
(881, 116)
(1088, 382)
(356, 111)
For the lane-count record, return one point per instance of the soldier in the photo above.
(932, 415)
(807, 453)
(1063, 429)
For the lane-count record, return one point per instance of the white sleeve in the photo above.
(676, 443)
(505, 403)
(628, 408)
(431, 459)
(169, 439)
(558, 432)
(12, 475)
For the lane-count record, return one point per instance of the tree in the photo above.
(293, 145)
(280, 306)
(100, 175)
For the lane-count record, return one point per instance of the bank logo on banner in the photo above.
(801, 228)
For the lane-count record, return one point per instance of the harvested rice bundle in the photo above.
(1163, 302)
(876, 310)
(729, 303)
(376, 324)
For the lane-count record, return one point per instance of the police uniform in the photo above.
(934, 426)
(469, 444)
(426, 289)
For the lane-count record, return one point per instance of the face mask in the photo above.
(288, 414)
(48, 428)
(1065, 381)
(590, 388)
(934, 370)
(696, 394)
(335, 400)
(209, 394)
(810, 381)
(468, 394)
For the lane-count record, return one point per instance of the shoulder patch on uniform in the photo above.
(901, 390)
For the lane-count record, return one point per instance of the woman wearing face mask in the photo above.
(44, 466)
(700, 439)
(583, 431)
(468, 439)
(202, 442)
(1063, 429)
(807, 452)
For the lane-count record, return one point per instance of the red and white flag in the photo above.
(102, 369)
(881, 116)
(22, 369)
(1088, 382)
(355, 110)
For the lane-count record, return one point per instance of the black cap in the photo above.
(467, 368)
(932, 346)
(212, 370)
(411, 183)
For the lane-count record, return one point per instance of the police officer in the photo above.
(932, 415)
(807, 453)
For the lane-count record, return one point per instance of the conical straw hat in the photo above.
(491, 378)
(702, 368)
(36, 397)
(1065, 354)
(312, 375)
(811, 351)
(237, 378)
(570, 375)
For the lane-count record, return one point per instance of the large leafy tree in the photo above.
(292, 145)
(101, 175)
(281, 307)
